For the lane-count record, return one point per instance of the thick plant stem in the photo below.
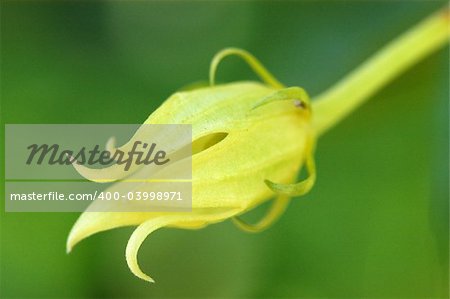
(337, 102)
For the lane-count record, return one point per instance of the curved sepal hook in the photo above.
(276, 210)
(285, 191)
(297, 94)
(300, 188)
(251, 60)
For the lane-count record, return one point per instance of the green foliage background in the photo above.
(376, 223)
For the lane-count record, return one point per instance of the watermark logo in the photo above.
(94, 156)
(111, 168)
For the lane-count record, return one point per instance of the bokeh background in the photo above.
(376, 223)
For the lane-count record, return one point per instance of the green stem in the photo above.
(337, 102)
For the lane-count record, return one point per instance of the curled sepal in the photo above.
(108, 174)
(276, 210)
(251, 60)
(296, 94)
(300, 188)
(194, 220)
(175, 141)
(103, 175)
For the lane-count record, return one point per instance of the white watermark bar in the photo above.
(109, 168)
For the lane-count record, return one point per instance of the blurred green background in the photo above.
(376, 223)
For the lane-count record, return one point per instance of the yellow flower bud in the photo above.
(249, 143)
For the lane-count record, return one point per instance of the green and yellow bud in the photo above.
(249, 142)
